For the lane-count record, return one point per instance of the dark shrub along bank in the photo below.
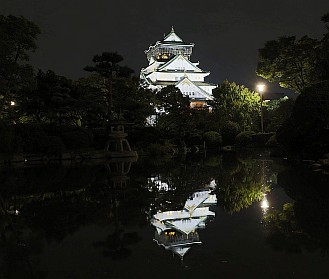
(306, 132)
(213, 139)
(73, 137)
(47, 139)
(244, 138)
(229, 131)
(261, 139)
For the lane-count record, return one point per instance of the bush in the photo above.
(155, 149)
(7, 137)
(195, 139)
(76, 137)
(229, 131)
(32, 137)
(213, 139)
(47, 139)
(244, 138)
(144, 135)
(73, 137)
(320, 146)
(51, 145)
(306, 131)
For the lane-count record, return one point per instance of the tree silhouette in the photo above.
(107, 66)
(17, 38)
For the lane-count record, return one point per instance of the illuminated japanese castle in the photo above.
(169, 64)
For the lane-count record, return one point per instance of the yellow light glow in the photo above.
(265, 204)
(12, 103)
(261, 87)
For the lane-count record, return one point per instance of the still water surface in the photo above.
(232, 215)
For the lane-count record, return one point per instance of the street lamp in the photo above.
(261, 89)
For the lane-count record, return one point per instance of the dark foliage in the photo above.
(307, 130)
(46, 139)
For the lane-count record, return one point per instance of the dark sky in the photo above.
(227, 34)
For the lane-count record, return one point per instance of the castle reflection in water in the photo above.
(177, 230)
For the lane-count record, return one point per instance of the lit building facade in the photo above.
(169, 64)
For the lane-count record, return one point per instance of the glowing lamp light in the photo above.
(12, 103)
(265, 204)
(261, 87)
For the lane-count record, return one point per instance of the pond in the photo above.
(231, 215)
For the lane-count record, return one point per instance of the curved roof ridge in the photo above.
(172, 37)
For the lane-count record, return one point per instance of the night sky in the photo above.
(227, 34)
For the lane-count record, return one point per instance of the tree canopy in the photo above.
(17, 38)
(295, 63)
(288, 61)
(173, 113)
(107, 66)
(303, 66)
(236, 103)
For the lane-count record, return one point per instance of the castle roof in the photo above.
(188, 65)
(172, 37)
(187, 82)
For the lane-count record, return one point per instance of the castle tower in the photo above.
(169, 64)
